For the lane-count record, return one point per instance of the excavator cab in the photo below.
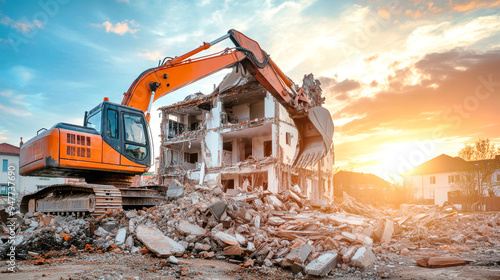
(124, 129)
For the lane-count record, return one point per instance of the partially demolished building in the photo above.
(240, 138)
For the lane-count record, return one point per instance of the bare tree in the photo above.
(476, 175)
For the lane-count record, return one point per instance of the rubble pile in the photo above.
(261, 229)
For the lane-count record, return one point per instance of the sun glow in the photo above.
(397, 158)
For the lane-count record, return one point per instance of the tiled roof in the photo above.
(445, 163)
(8, 149)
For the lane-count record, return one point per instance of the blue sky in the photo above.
(60, 58)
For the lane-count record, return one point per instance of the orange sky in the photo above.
(419, 81)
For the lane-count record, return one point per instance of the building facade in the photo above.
(436, 180)
(9, 159)
(240, 138)
(364, 187)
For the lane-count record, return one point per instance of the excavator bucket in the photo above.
(315, 136)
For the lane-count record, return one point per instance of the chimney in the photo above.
(21, 143)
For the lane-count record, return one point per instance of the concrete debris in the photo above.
(157, 242)
(299, 253)
(388, 231)
(435, 262)
(175, 189)
(217, 209)
(322, 265)
(101, 232)
(121, 236)
(173, 260)
(233, 250)
(268, 231)
(363, 258)
(348, 254)
(225, 238)
(188, 228)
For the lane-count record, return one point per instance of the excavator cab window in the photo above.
(94, 121)
(112, 129)
(135, 136)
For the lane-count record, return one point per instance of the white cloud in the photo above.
(23, 25)
(119, 28)
(23, 74)
(152, 55)
(445, 35)
(14, 111)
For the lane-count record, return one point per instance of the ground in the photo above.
(121, 266)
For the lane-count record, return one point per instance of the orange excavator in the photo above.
(114, 143)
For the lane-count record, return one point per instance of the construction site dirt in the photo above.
(204, 233)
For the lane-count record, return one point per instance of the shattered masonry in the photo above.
(241, 138)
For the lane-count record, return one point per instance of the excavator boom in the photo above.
(314, 125)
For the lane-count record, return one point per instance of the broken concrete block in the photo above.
(208, 255)
(435, 262)
(404, 251)
(120, 236)
(217, 208)
(256, 222)
(349, 236)
(157, 242)
(323, 264)
(201, 247)
(175, 190)
(365, 240)
(485, 230)
(188, 228)
(131, 214)
(275, 221)
(363, 258)
(330, 244)
(258, 203)
(274, 201)
(173, 260)
(225, 238)
(233, 250)
(300, 253)
(101, 232)
(248, 263)
(240, 238)
(281, 253)
(388, 231)
(297, 267)
(349, 253)
(129, 243)
(109, 226)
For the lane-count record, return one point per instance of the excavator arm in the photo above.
(314, 124)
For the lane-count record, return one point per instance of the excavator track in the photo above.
(80, 199)
(107, 198)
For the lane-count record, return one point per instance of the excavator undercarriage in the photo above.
(81, 199)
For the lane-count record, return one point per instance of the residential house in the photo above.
(435, 179)
(240, 138)
(9, 158)
(365, 187)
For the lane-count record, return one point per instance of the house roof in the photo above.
(440, 164)
(8, 149)
(356, 178)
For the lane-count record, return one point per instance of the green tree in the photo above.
(481, 162)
